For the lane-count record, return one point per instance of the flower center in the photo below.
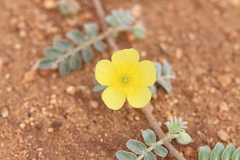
(125, 79)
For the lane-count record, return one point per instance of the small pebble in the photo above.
(50, 130)
(236, 47)
(191, 36)
(71, 90)
(32, 110)
(175, 101)
(49, 4)
(131, 37)
(224, 107)
(53, 101)
(22, 125)
(136, 10)
(50, 106)
(39, 149)
(4, 112)
(169, 115)
(188, 151)
(137, 118)
(223, 135)
(40, 155)
(143, 53)
(13, 21)
(28, 76)
(224, 80)
(53, 96)
(56, 124)
(17, 46)
(7, 76)
(237, 79)
(9, 89)
(21, 25)
(87, 16)
(235, 2)
(94, 104)
(178, 53)
(22, 33)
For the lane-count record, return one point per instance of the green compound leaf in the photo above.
(166, 85)
(176, 125)
(158, 67)
(153, 89)
(47, 64)
(204, 153)
(87, 54)
(99, 46)
(136, 146)
(120, 18)
(75, 61)
(63, 45)
(166, 68)
(52, 52)
(149, 156)
(236, 154)
(99, 87)
(123, 155)
(139, 32)
(64, 68)
(75, 36)
(217, 151)
(227, 153)
(91, 30)
(149, 137)
(161, 151)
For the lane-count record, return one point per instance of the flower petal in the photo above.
(114, 97)
(145, 73)
(139, 96)
(105, 72)
(125, 60)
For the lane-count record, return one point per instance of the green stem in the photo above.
(160, 142)
(108, 32)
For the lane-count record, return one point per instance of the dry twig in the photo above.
(101, 15)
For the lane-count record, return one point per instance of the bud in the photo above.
(184, 138)
(139, 31)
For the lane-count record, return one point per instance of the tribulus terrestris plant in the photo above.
(123, 78)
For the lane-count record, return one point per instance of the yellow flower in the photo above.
(126, 78)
